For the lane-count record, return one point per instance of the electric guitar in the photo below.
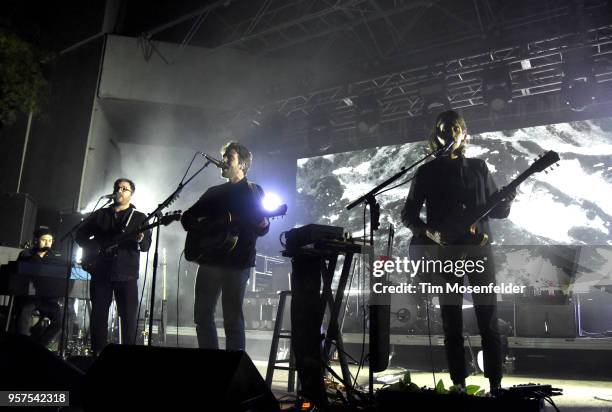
(461, 231)
(217, 236)
(92, 254)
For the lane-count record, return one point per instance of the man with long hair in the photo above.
(449, 185)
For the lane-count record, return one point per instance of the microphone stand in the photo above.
(369, 201)
(69, 258)
(157, 214)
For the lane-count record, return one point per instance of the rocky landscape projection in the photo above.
(570, 206)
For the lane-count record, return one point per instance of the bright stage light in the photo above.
(271, 201)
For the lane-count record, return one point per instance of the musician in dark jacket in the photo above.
(227, 273)
(114, 271)
(47, 307)
(448, 185)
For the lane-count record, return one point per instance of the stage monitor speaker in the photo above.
(28, 366)
(17, 219)
(153, 378)
(545, 319)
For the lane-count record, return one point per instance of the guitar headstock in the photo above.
(170, 217)
(278, 212)
(544, 161)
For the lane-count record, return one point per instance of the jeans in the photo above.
(485, 307)
(126, 296)
(231, 283)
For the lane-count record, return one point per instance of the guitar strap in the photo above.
(253, 189)
(123, 227)
(128, 220)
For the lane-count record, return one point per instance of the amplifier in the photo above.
(308, 234)
(545, 319)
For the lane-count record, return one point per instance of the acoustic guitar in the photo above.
(218, 236)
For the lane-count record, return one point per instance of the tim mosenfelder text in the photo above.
(457, 267)
(424, 287)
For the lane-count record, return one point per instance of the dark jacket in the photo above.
(30, 255)
(242, 199)
(447, 187)
(104, 225)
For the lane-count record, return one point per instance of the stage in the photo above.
(584, 388)
(579, 395)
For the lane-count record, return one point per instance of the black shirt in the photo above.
(30, 255)
(105, 225)
(447, 187)
(242, 200)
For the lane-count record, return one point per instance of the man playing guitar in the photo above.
(114, 271)
(227, 272)
(449, 185)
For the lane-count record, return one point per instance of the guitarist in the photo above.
(115, 271)
(227, 273)
(448, 185)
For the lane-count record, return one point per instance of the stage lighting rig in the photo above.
(318, 138)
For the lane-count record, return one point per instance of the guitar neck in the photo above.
(474, 215)
(280, 211)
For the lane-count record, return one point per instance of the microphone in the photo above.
(214, 161)
(112, 196)
(446, 136)
(444, 150)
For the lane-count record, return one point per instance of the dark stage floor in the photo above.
(578, 394)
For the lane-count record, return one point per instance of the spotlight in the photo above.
(435, 98)
(256, 118)
(497, 88)
(578, 94)
(271, 201)
(579, 84)
(367, 114)
(348, 101)
(525, 64)
(319, 131)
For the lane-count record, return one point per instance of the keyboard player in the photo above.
(47, 307)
